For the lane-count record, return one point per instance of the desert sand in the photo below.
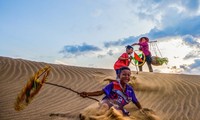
(163, 96)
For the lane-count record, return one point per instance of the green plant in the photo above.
(162, 60)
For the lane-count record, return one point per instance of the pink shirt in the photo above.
(120, 63)
(145, 48)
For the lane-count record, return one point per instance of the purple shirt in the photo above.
(114, 92)
(145, 48)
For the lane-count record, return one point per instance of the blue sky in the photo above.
(93, 33)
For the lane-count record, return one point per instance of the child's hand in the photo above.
(130, 58)
(127, 113)
(142, 111)
(84, 94)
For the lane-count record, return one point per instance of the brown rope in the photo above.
(70, 90)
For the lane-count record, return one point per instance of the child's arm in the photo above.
(135, 44)
(96, 93)
(122, 58)
(135, 101)
(138, 105)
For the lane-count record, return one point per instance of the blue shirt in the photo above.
(115, 93)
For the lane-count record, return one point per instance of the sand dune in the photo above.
(167, 96)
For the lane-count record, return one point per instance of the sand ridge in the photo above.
(170, 96)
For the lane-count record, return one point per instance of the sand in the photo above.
(164, 96)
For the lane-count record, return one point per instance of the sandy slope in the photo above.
(170, 96)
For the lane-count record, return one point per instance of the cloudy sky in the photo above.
(93, 33)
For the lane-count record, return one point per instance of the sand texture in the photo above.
(164, 96)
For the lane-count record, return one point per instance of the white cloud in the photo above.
(175, 24)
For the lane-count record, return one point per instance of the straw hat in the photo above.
(146, 38)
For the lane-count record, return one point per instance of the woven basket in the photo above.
(155, 61)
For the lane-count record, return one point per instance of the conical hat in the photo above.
(146, 38)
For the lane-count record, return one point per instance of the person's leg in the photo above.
(104, 105)
(149, 60)
(140, 68)
(140, 64)
(150, 67)
(117, 73)
(103, 108)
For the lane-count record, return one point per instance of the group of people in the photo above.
(125, 58)
(118, 93)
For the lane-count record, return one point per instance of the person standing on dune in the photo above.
(117, 93)
(144, 47)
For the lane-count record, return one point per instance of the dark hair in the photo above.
(129, 47)
(124, 68)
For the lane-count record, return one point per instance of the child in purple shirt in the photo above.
(117, 93)
(144, 47)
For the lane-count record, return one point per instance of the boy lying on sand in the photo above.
(117, 93)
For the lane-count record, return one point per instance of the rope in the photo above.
(150, 47)
(159, 50)
(70, 90)
(154, 48)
